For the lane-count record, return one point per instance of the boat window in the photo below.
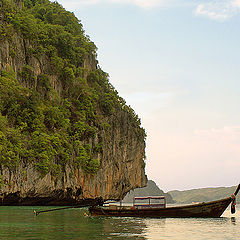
(149, 202)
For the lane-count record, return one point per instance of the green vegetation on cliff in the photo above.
(45, 125)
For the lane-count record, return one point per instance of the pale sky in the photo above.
(177, 64)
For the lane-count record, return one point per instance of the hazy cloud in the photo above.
(199, 153)
(236, 3)
(220, 10)
(227, 132)
(139, 3)
(142, 3)
(214, 9)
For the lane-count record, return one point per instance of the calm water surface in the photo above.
(20, 223)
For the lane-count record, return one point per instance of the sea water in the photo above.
(21, 223)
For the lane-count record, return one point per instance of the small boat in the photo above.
(201, 210)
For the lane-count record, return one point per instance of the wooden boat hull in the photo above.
(201, 210)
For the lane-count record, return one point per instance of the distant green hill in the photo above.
(203, 194)
(150, 190)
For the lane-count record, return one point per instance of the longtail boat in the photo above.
(201, 210)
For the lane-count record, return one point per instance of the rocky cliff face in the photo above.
(122, 169)
(121, 157)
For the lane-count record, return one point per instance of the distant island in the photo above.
(150, 190)
(202, 194)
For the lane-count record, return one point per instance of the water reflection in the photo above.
(192, 228)
(20, 223)
(233, 220)
(122, 228)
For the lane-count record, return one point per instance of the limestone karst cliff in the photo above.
(65, 134)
